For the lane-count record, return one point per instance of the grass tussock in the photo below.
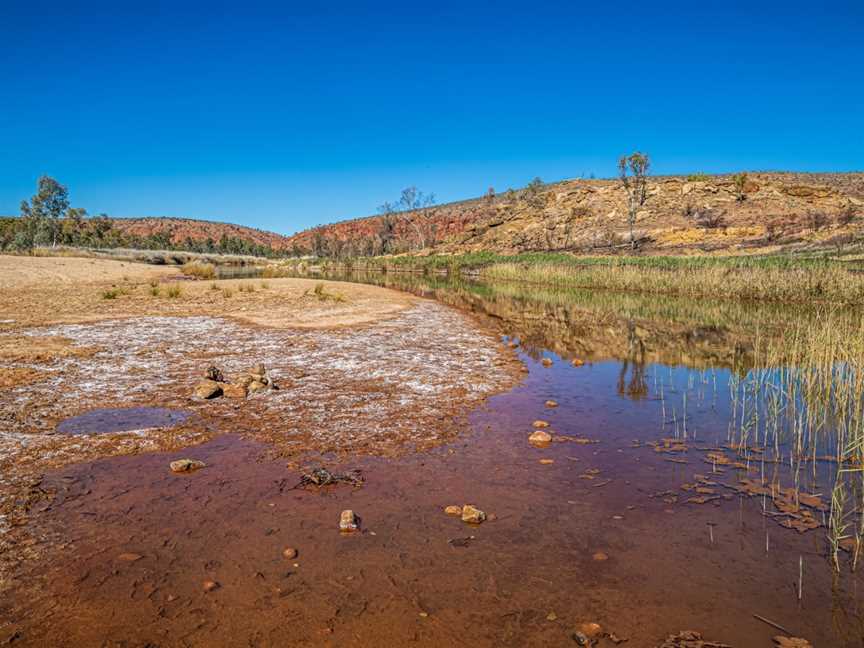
(321, 293)
(227, 293)
(174, 291)
(200, 270)
(246, 287)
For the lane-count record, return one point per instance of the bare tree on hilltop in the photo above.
(633, 173)
(416, 208)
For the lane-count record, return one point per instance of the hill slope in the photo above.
(681, 214)
(181, 229)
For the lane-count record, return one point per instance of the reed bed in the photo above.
(199, 270)
(819, 282)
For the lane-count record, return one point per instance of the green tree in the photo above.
(45, 209)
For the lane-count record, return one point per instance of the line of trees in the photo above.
(47, 219)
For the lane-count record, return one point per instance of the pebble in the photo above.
(453, 510)
(547, 461)
(547, 362)
(348, 521)
(540, 424)
(551, 617)
(600, 556)
(130, 557)
(210, 585)
(551, 403)
(576, 362)
(290, 553)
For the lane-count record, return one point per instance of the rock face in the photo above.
(584, 215)
(472, 515)
(348, 521)
(186, 465)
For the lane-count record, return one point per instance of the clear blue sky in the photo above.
(283, 117)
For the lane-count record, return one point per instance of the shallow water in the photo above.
(142, 540)
(103, 421)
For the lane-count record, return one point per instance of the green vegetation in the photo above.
(773, 278)
(47, 219)
(174, 291)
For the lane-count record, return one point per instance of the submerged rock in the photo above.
(453, 510)
(472, 515)
(186, 465)
(290, 553)
(540, 424)
(207, 389)
(540, 438)
(546, 362)
(551, 403)
(348, 521)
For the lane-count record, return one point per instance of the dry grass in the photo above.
(200, 270)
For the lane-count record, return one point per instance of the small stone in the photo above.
(207, 389)
(453, 510)
(424, 614)
(546, 462)
(546, 362)
(290, 553)
(540, 438)
(600, 556)
(512, 344)
(129, 557)
(551, 403)
(472, 515)
(210, 585)
(348, 521)
(186, 465)
(234, 390)
(551, 617)
(540, 424)
(576, 362)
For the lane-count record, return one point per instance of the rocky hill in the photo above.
(183, 229)
(681, 214)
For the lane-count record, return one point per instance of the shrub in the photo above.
(709, 218)
(740, 180)
(698, 177)
(846, 215)
(816, 220)
(227, 293)
(110, 294)
(174, 291)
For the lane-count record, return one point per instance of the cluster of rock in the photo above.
(469, 513)
(215, 384)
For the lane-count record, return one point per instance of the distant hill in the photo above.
(183, 229)
(773, 210)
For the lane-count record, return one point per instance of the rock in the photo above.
(207, 389)
(215, 374)
(453, 510)
(186, 465)
(540, 424)
(234, 390)
(130, 557)
(348, 521)
(546, 362)
(576, 362)
(540, 438)
(210, 585)
(290, 553)
(590, 629)
(551, 617)
(472, 515)
(791, 642)
(546, 462)
(244, 379)
(256, 386)
(551, 403)
(599, 556)
(258, 370)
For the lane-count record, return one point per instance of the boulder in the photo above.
(207, 389)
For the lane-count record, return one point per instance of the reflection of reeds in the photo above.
(810, 400)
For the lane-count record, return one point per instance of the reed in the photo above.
(199, 270)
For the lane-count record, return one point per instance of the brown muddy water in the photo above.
(607, 524)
